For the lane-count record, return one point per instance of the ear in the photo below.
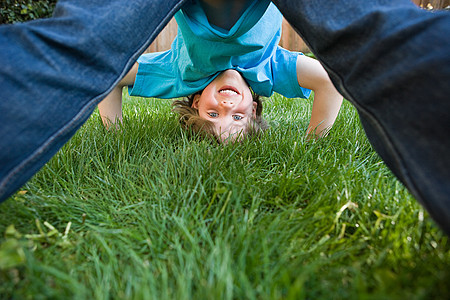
(255, 107)
(195, 101)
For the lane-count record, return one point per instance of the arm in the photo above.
(327, 100)
(110, 108)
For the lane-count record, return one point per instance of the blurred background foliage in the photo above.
(14, 11)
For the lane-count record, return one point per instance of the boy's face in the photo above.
(228, 103)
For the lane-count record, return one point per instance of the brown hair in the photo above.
(190, 119)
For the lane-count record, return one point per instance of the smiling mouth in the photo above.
(229, 91)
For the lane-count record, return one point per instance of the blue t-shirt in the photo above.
(201, 51)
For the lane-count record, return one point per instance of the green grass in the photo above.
(156, 215)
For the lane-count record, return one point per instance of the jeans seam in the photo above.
(12, 175)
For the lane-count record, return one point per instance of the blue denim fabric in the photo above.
(53, 72)
(392, 61)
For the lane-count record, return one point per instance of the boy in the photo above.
(222, 49)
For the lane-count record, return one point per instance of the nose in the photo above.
(227, 103)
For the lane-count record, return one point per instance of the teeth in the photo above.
(228, 92)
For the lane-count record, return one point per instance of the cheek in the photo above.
(249, 100)
(206, 97)
(203, 97)
(204, 104)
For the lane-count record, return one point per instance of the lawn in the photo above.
(151, 213)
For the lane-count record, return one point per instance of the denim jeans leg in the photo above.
(392, 61)
(54, 71)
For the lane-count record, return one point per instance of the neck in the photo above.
(224, 13)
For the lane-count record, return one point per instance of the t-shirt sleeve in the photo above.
(284, 72)
(156, 76)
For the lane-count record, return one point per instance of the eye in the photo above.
(237, 118)
(213, 114)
